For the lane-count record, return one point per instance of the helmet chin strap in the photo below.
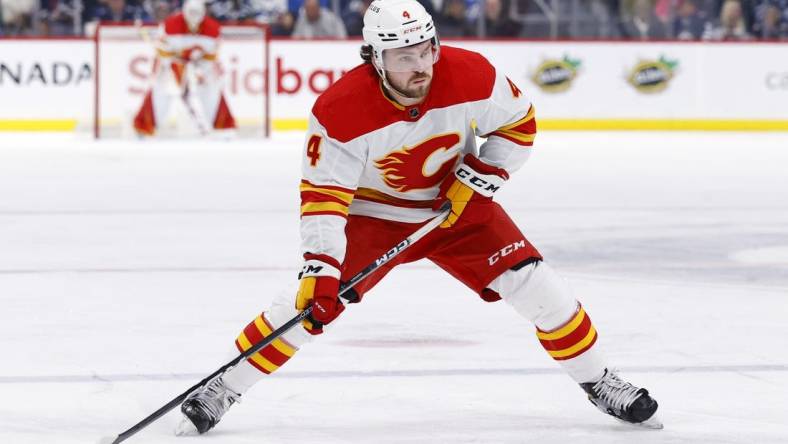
(391, 87)
(382, 73)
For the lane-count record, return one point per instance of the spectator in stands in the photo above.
(315, 21)
(627, 8)
(664, 10)
(353, 16)
(295, 5)
(730, 25)
(771, 19)
(604, 19)
(119, 11)
(283, 26)
(452, 20)
(17, 16)
(161, 9)
(688, 24)
(644, 24)
(497, 22)
(429, 6)
(708, 9)
(267, 11)
(58, 17)
(231, 10)
(353, 13)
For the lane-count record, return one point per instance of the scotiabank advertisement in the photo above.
(574, 85)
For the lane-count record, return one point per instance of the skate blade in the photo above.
(186, 428)
(652, 423)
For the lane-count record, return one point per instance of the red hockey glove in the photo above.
(472, 181)
(319, 288)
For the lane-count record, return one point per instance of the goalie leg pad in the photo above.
(144, 120)
(223, 117)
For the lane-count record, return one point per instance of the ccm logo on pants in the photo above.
(506, 251)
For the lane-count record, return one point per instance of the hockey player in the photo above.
(186, 63)
(391, 141)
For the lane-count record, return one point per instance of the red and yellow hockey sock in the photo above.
(270, 357)
(572, 339)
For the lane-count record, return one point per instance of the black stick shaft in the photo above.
(284, 328)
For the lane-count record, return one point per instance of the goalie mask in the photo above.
(393, 24)
(193, 13)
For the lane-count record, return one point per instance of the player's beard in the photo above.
(411, 91)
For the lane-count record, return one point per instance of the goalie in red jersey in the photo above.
(186, 69)
(388, 144)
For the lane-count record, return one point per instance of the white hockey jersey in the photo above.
(368, 155)
(177, 40)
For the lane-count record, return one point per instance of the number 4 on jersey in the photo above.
(313, 149)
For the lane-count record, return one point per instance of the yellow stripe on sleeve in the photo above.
(341, 195)
(317, 207)
(525, 138)
(528, 116)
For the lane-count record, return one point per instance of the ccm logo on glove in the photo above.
(310, 270)
(472, 181)
(484, 184)
(319, 289)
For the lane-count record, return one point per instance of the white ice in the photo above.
(127, 269)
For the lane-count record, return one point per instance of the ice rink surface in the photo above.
(127, 269)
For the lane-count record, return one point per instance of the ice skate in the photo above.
(623, 401)
(204, 408)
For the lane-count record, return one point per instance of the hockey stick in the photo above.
(346, 286)
(187, 101)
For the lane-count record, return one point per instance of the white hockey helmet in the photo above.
(391, 24)
(193, 13)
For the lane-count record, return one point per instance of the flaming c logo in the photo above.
(404, 170)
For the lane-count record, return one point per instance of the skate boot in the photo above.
(204, 407)
(622, 400)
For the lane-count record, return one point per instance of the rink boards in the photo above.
(49, 84)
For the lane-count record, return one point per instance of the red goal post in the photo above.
(124, 57)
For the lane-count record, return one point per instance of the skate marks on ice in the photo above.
(87, 353)
(503, 410)
(405, 373)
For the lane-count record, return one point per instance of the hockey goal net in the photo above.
(124, 59)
